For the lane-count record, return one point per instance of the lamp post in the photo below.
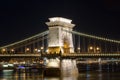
(3, 50)
(27, 50)
(78, 49)
(42, 50)
(90, 49)
(35, 50)
(98, 50)
(12, 50)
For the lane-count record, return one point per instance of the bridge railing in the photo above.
(20, 55)
(92, 55)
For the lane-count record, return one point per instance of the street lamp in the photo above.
(91, 48)
(42, 49)
(98, 49)
(3, 50)
(27, 49)
(78, 49)
(35, 49)
(12, 50)
(38, 50)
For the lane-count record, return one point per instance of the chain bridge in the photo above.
(61, 37)
(62, 41)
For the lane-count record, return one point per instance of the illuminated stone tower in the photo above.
(60, 39)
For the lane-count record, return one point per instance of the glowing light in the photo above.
(5, 65)
(47, 50)
(98, 48)
(3, 50)
(42, 47)
(53, 63)
(38, 50)
(27, 49)
(12, 50)
(91, 47)
(11, 65)
(21, 67)
(78, 48)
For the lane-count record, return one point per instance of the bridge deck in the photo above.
(95, 55)
(20, 55)
(71, 55)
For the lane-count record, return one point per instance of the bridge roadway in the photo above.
(71, 55)
(20, 55)
(91, 55)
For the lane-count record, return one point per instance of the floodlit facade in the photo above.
(60, 39)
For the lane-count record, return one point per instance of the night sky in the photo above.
(20, 19)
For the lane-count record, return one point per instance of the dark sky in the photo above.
(20, 18)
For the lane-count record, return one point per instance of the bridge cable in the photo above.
(95, 37)
(32, 37)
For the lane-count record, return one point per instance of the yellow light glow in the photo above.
(47, 50)
(12, 50)
(27, 49)
(42, 47)
(36, 49)
(53, 64)
(53, 50)
(98, 48)
(78, 48)
(91, 47)
(3, 50)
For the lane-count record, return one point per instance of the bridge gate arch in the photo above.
(59, 39)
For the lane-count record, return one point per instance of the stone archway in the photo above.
(66, 46)
(59, 39)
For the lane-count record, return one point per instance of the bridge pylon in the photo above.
(59, 39)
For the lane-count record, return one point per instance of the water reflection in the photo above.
(107, 72)
(88, 75)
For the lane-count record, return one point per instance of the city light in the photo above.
(91, 48)
(36, 49)
(42, 47)
(27, 49)
(62, 54)
(78, 48)
(47, 51)
(12, 50)
(98, 48)
(3, 50)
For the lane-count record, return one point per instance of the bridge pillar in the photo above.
(69, 67)
(60, 40)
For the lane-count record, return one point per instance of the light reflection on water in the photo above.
(83, 75)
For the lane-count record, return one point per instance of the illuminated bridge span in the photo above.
(62, 39)
(92, 55)
(19, 55)
(84, 55)
(61, 47)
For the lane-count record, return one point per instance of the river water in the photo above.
(106, 74)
